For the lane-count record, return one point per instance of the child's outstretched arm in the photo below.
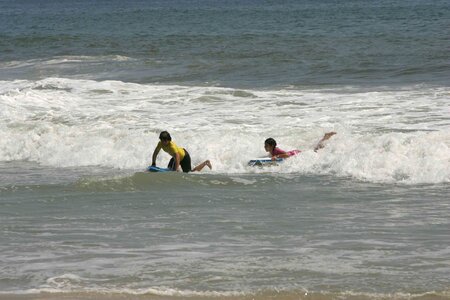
(155, 154)
(281, 155)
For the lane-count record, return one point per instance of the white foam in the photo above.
(386, 135)
(63, 284)
(64, 59)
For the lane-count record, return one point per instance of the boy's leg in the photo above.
(185, 164)
(171, 164)
(326, 136)
(202, 165)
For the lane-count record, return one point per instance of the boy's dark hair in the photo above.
(271, 142)
(165, 136)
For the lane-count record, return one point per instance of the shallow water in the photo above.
(244, 234)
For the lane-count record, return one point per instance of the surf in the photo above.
(384, 135)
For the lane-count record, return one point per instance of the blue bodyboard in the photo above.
(158, 169)
(265, 161)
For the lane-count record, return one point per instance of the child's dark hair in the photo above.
(271, 142)
(165, 136)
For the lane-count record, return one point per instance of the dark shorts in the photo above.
(185, 163)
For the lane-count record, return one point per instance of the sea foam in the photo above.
(384, 134)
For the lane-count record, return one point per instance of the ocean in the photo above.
(87, 86)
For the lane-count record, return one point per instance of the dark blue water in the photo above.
(228, 43)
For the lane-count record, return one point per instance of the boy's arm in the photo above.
(281, 155)
(177, 161)
(155, 154)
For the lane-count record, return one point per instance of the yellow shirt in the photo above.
(172, 148)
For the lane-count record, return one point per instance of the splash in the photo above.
(384, 135)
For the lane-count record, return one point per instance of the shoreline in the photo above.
(272, 295)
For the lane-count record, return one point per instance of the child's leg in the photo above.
(171, 164)
(326, 136)
(202, 165)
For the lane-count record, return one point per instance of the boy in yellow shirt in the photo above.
(180, 157)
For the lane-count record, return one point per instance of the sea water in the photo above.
(86, 87)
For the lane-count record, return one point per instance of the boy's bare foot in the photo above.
(326, 136)
(208, 163)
